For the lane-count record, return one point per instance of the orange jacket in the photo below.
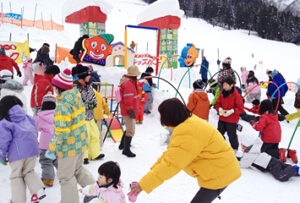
(199, 104)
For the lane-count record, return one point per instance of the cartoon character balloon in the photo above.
(97, 48)
(189, 55)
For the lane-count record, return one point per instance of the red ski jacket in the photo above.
(130, 98)
(254, 109)
(269, 127)
(6, 63)
(42, 85)
(232, 101)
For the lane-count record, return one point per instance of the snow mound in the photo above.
(160, 9)
(72, 6)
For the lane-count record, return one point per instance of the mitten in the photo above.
(19, 74)
(228, 112)
(132, 114)
(50, 155)
(252, 122)
(220, 111)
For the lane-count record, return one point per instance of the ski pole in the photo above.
(111, 122)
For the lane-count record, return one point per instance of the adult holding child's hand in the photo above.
(195, 147)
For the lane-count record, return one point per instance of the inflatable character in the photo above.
(189, 55)
(97, 48)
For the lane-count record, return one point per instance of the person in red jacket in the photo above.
(142, 100)
(269, 128)
(230, 106)
(198, 101)
(129, 107)
(42, 85)
(7, 63)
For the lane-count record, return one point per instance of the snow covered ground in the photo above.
(253, 186)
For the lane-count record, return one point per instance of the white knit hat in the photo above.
(63, 80)
(228, 60)
(6, 75)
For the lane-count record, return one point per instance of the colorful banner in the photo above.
(14, 16)
(62, 54)
(16, 19)
(148, 60)
(16, 50)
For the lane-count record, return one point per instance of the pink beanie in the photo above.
(63, 80)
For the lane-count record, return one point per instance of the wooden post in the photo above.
(10, 12)
(51, 22)
(42, 20)
(22, 13)
(34, 14)
(2, 14)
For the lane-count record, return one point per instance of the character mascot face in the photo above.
(189, 55)
(97, 48)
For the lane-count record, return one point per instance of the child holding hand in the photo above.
(108, 188)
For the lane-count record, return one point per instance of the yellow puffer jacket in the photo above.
(200, 150)
(101, 105)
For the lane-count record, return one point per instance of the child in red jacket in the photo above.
(142, 101)
(269, 127)
(230, 106)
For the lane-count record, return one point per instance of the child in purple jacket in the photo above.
(45, 124)
(19, 146)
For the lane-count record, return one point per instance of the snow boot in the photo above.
(293, 155)
(35, 198)
(48, 182)
(86, 161)
(127, 151)
(282, 155)
(101, 156)
(296, 167)
(121, 146)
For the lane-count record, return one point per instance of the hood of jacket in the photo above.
(16, 113)
(38, 77)
(12, 85)
(271, 116)
(201, 94)
(46, 116)
(70, 96)
(123, 79)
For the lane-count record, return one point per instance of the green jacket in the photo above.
(217, 94)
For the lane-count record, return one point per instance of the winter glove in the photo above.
(19, 74)
(132, 114)
(252, 122)
(228, 112)
(50, 155)
(220, 111)
(91, 106)
(3, 161)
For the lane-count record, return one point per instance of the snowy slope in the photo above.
(253, 186)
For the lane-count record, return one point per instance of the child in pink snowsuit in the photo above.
(28, 71)
(108, 188)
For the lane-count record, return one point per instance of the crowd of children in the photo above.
(70, 125)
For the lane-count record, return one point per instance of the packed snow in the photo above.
(148, 143)
(159, 9)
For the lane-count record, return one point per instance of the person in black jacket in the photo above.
(43, 56)
(78, 48)
(148, 89)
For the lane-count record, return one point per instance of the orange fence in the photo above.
(62, 53)
(43, 25)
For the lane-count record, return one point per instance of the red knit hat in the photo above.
(63, 80)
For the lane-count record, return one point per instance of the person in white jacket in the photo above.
(253, 157)
(9, 86)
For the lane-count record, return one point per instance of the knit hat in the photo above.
(2, 51)
(198, 84)
(48, 102)
(133, 71)
(63, 80)
(5, 75)
(227, 60)
(212, 83)
(274, 72)
(49, 98)
(81, 71)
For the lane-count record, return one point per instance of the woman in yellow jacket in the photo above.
(195, 147)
